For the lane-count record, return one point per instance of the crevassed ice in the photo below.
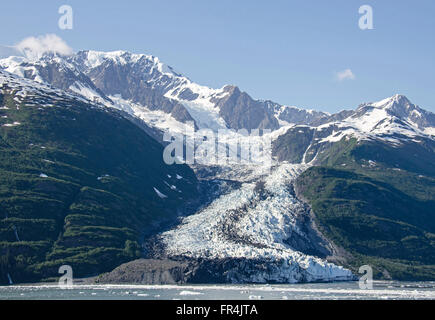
(263, 224)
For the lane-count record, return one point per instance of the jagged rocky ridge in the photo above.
(144, 80)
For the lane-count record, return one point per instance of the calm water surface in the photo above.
(342, 290)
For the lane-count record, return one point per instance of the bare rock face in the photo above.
(206, 271)
(136, 83)
(149, 271)
(240, 111)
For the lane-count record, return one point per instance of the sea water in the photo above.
(313, 291)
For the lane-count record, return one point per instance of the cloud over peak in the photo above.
(36, 47)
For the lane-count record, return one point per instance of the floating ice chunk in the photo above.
(161, 195)
(372, 163)
(190, 293)
(11, 124)
(170, 185)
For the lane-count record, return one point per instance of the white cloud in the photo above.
(345, 75)
(35, 47)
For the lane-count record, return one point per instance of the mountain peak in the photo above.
(388, 103)
(93, 58)
(401, 107)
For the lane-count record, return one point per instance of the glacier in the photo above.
(251, 226)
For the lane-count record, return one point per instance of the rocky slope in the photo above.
(72, 189)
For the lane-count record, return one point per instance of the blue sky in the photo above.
(285, 51)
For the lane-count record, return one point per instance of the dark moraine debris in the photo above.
(149, 271)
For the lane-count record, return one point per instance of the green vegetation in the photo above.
(292, 145)
(76, 187)
(377, 202)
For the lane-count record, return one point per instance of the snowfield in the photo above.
(253, 223)
(391, 120)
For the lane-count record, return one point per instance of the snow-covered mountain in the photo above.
(56, 71)
(145, 87)
(401, 108)
(259, 221)
(394, 120)
(147, 82)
